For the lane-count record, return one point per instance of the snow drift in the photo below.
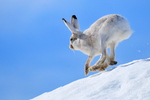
(129, 81)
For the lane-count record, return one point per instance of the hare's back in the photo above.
(110, 21)
(113, 27)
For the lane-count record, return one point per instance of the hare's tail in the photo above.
(127, 34)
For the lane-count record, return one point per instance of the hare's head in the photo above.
(75, 30)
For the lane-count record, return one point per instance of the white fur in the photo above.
(105, 33)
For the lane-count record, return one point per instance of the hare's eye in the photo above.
(73, 39)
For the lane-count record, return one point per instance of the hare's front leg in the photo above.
(88, 68)
(87, 65)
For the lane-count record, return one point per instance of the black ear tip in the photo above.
(74, 16)
(64, 19)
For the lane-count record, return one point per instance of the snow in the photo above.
(129, 81)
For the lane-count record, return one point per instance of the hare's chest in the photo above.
(91, 47)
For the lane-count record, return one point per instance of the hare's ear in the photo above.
(69, 25)
(74, 22)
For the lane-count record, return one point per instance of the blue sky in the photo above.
(34, 53)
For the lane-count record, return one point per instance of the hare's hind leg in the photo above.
(104, 53)
(101, 64)
(111, 58)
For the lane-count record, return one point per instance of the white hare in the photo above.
(105, 33)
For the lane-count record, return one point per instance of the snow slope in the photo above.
(130, 81)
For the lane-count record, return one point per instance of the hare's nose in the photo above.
(71, 47)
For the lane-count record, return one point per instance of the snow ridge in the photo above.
(129, 81)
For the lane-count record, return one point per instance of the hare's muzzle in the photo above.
(71, 47)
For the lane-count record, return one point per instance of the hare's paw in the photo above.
(101, 69)
(93, 68)
(103, 66)
(113, 63)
